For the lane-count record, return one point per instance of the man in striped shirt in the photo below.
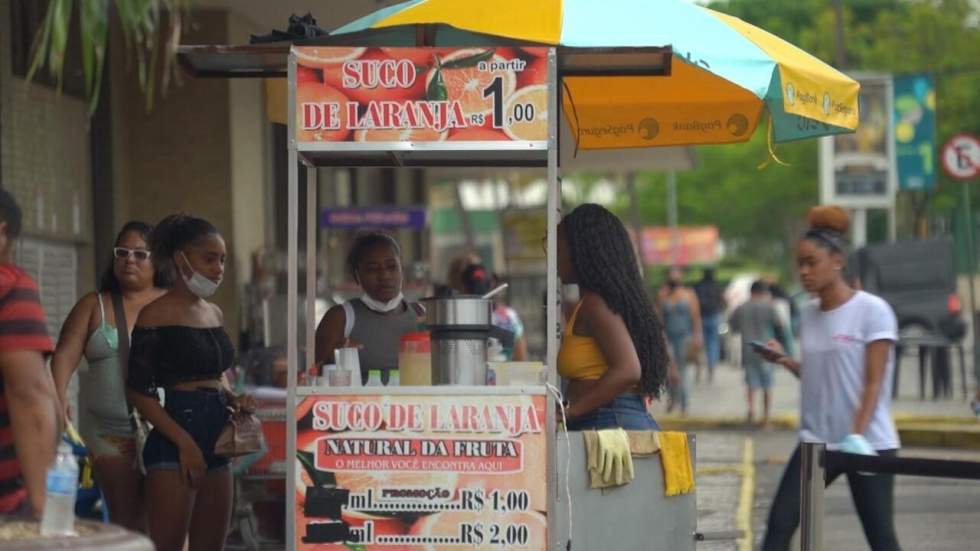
(29, 422)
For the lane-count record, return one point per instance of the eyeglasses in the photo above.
(139, 254)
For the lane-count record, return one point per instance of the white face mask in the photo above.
(198, 284)
(382, 307)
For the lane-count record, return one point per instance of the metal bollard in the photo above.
(812, 482)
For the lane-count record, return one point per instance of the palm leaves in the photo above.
(151, 29)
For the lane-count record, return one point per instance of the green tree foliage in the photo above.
(760, 211)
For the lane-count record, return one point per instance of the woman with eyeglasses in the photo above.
(91, 331)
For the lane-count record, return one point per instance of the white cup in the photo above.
(349, 360)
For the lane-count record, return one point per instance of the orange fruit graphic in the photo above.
(534, 475)
(327, 56)
(467, 84)
(447, 525)
(535, 72)
(477, 134)
(399, 135)
(420, 57)
(306, 74)
(314, 92)
(527, 103)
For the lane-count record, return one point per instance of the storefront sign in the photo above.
(380, 217)
(695, 245)
(358, 94)
(421, 472)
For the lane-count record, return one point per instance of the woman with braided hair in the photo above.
(613, 352)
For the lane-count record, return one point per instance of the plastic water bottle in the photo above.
(394, 378)
(62, 485)
(374, 377)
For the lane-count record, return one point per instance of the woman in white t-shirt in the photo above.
(847, 340)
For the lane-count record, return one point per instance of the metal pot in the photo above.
(460, 327)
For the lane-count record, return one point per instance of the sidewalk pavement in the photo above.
(947, 422)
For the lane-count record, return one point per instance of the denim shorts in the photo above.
(627, 411)
(203, 413)
(758, 376)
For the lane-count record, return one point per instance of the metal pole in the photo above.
(292, 289)
(812, 482)
(554, 206)
(311, 224)
(971, 273)
(672, 217)
(860, 227)
(636, 220)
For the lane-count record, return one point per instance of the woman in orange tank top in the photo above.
(613, 353)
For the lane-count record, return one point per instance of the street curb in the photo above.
(918, 431)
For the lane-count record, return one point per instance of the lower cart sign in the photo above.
(421, 472)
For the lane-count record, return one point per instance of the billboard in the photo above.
(361, 94)
(915, 132)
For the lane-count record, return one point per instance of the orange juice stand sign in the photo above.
(360, 94)
(416, 471)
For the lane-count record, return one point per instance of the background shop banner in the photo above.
(695, 245)
(359, 94)
(377, 217)
(411, 472)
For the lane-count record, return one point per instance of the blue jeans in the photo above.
(712, 340)
(678, 392)
(203, 413)
(625, 411)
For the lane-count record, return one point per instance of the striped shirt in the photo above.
(22, 327)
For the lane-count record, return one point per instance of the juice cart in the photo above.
(445, 466)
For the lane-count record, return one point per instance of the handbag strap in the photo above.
(122, 331)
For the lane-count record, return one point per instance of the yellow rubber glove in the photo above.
(615, 461)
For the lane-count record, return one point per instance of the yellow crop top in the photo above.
(579, 357)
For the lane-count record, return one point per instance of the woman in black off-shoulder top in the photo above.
(179, 345)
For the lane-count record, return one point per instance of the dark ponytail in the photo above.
(175, 232)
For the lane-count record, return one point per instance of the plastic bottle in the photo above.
(62, 485)
(374, 377)
(394, 378)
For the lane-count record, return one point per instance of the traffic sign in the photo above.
(961, 157)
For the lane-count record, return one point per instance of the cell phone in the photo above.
(760, 346)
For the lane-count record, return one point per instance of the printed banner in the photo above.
(421, 472)
(378, 217)
(358, 94)
(915, 132)
(695, 245)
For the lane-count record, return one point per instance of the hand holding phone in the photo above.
(770, 353)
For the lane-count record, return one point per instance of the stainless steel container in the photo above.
(460, 327)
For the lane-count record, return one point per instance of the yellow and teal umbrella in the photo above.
(724, 72)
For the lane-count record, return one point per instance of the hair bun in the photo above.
(829, 217)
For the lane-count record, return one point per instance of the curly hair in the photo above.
(828, 226)
(605, 263)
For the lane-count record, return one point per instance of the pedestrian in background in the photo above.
(711, 301)
(179, 344)
(29, 407)
(756, 321)
(682, 322)
(92, 331)
(478, 281)
(847, 340)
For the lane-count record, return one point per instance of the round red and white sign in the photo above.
(961, 157)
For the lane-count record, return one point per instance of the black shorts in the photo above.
(203, 413)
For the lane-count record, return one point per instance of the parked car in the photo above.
(918, 279)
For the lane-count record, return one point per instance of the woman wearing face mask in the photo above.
(847, 340)
(376, 320)
(91, 330)
(613, 352)
(682, 320)
(179, 344)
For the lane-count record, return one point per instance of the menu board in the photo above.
(421, 472)
(361, 94)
